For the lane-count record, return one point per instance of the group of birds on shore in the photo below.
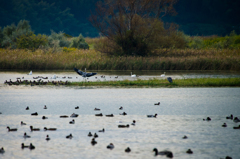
(40, 80)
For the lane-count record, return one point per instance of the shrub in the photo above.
(196, 43)
(59, 38)
(12, 32)
(31, 41)
(79, 42)
(1, 37)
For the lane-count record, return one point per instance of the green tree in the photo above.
(79, 42)
(31, 41)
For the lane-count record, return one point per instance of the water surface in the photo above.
(180, 113)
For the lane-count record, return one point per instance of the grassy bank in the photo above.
(164, 59)
(201, 82)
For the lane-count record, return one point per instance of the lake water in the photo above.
(180, 113)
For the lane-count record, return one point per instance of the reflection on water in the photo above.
(180, 113)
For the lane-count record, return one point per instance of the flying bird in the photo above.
(84, 74)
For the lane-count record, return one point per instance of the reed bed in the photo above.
(201, 82)
(164, 59)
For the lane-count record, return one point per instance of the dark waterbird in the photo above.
(110, 146)
(189, 151)
(2, 150)
(127, 149)
(84, 74)
(170, 79)
(93, 142)
(34, 113)
(165, 152)
(13, 129)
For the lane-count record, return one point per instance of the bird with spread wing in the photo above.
(84, 74)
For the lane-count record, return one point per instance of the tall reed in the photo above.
(165, 59)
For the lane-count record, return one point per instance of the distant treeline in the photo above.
(198, 17)
(21, 36)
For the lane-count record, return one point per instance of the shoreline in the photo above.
(197, 82)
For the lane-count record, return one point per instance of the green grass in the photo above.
(199, 82)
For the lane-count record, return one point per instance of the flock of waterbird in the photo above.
(70, 136)
(40, 80)
(166, 153)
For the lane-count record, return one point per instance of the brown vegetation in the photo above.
(164, 59)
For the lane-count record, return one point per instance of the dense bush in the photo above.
(1, 36)
(79, 42)
(58, 39)
(232, 41)
(31, 41)
(12, 32)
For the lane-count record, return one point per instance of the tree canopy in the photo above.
(131, 26)
(195, 17)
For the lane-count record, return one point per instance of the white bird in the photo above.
(163, 75)
(54, 77)
(133, 75)
(30, 73)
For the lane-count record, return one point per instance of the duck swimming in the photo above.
(27, 108)
(236, 120)
(152, 116)
(2, 150)
(22, 123)
(184, 137)
(208, 119)
(127, 150)
(169, 154)
(31, 147)
(110, 115)
(95, 135)
(236, 127)
(93, 142)
(34, 129)
(34, 113)
(230, 117)
(72, 122)
(224, 125)
(121, 108)
(26, 136)
(74, 115)
(99, 114)
(97, 109)
(124, 113)
(123, 126)
(157, 103)
(45, 107)
(44, 117)
(24, 146)
(133, 123)
(103, 130)
(90, 134)
(47, 138)
(69, 136)
(50, 129)
(63, 116)
(189, 151)
(77, 107)
(13, 129)
(110, 146)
